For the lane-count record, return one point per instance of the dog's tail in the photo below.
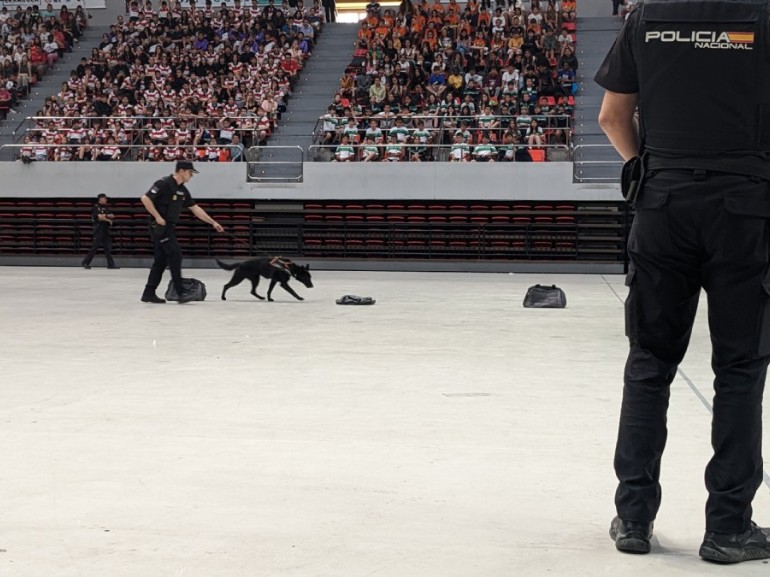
(226, 266)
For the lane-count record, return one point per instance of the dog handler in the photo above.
(165, 201)
(702, 196)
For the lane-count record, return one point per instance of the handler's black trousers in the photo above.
(102, 239)
(167, 254)
(692, 231)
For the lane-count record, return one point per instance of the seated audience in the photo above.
(429, 69)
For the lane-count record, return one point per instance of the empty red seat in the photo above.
(537, 154)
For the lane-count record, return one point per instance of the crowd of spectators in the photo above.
(489, 84)
(179, 82)
(31, 41)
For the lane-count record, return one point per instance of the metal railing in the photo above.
(415, 152)
(138, 126)
(441, 125)
(597, 163)
(30, 153)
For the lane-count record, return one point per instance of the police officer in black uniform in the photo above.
(102, 219)
(699, 166)
(165, 201)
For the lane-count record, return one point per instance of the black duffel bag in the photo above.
(192, 286)
(545, 297)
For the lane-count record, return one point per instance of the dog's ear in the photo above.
(307, 268)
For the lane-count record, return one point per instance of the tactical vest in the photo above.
(704, 75)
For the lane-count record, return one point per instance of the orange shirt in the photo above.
(418, 23)
(431, 37)
(479, 41)
(452, 18)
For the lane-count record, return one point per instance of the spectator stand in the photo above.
(224, 65)
(466, 68)
(137, 138)
(32, 40)
(509, 139)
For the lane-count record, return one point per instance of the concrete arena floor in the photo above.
(444, 432)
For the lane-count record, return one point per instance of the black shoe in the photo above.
(736, 547)
(86, 266)
(630, 536)
(114, 267)
(152, 298)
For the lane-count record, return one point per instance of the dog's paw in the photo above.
(223, 298)
(300, 299)
(271, 300)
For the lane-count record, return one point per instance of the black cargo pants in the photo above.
(102, 239)
(696, 230)
(167, 254)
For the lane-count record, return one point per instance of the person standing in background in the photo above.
(102, 218)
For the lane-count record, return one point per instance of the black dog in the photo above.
(278, 270)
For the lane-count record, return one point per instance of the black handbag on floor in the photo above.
(191, 286)
(545, 297)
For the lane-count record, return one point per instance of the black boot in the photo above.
(733, 548)
(631, 537)
(149, 296)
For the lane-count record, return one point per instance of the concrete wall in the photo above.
(525, 181)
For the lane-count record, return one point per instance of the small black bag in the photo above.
(545, 297)
(191, 286)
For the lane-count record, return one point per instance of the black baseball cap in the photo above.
(185, 165)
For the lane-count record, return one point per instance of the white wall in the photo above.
(436, 180)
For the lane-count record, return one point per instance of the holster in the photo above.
(632, 176)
